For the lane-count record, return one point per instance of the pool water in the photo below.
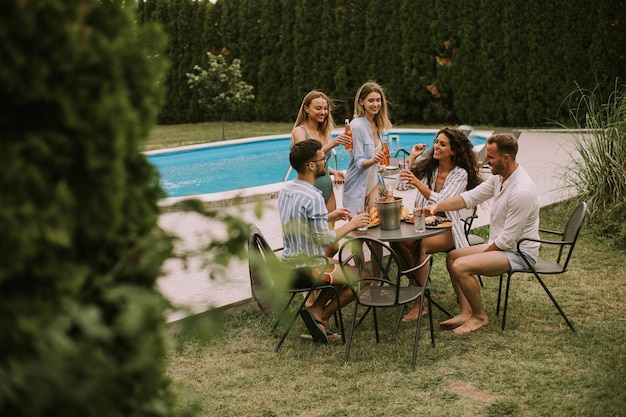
(227, 166)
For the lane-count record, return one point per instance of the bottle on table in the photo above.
(348, 132)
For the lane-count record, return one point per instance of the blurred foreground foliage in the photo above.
(82, 328)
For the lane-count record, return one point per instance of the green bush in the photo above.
(81, 325)
(599, 173)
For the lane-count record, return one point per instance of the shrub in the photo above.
(81, 325)
(599, 173)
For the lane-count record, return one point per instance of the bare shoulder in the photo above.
(298, 134)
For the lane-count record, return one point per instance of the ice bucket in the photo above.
(389, 213)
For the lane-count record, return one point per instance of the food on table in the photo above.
(384, 194)
(435, 221)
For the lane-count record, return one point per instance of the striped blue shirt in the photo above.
(304, 219)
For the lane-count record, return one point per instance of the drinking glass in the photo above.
(419, 218)
(359, 211)
(401, 185)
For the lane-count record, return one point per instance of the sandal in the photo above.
(316, 328)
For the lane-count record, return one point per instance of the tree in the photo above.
(221, 87)
(82, 327)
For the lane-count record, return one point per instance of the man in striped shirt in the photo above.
(304, 220)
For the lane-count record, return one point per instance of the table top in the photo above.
(405, 232)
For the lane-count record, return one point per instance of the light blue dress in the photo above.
(355, 186)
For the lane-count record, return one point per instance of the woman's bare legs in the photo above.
(434, 244)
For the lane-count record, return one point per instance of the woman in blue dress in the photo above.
(370, 122)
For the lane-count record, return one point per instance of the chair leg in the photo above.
(283, 312)
(395, 329)
(417, 333)
(430, 319)
(338, 317)
(558, 307)
(499, 295)
(367, 310)
(375, 324)
(339, 314)
(293, 320)
(545, 288)
(480, 280)
(436, 304)
(351, 335)
(506, 299)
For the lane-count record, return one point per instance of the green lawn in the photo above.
(536, 367)
(166, 136)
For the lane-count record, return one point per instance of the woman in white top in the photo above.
(369, 123)
(449, 168)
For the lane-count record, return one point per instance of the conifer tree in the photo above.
(81, 324)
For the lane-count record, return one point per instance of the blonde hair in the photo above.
(323, 128)
(381, 119)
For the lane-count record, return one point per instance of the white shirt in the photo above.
(514, 212)
(455, 184)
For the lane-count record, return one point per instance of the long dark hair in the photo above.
(464, 157)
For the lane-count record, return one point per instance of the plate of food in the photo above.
(437, 222)
(375, 222)
(409, 220)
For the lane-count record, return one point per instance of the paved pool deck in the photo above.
(190, 286)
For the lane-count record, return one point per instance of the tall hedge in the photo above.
(81, 325)
(477, 62)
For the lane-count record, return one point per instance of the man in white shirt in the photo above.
(514, 215)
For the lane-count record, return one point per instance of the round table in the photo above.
(406, 231)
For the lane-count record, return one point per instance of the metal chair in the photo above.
(468, 216)
(565, 246)
(391, 288)
(269, 278)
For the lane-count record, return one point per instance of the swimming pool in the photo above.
(245, 163)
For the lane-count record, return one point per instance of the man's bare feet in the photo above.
(474, 323)
(412, 314)
(455, 321)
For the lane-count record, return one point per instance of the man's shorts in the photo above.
(517, 262)
(324, 273)
(306, 277)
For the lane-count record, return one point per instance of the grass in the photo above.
(167, 136)
(537, 367)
